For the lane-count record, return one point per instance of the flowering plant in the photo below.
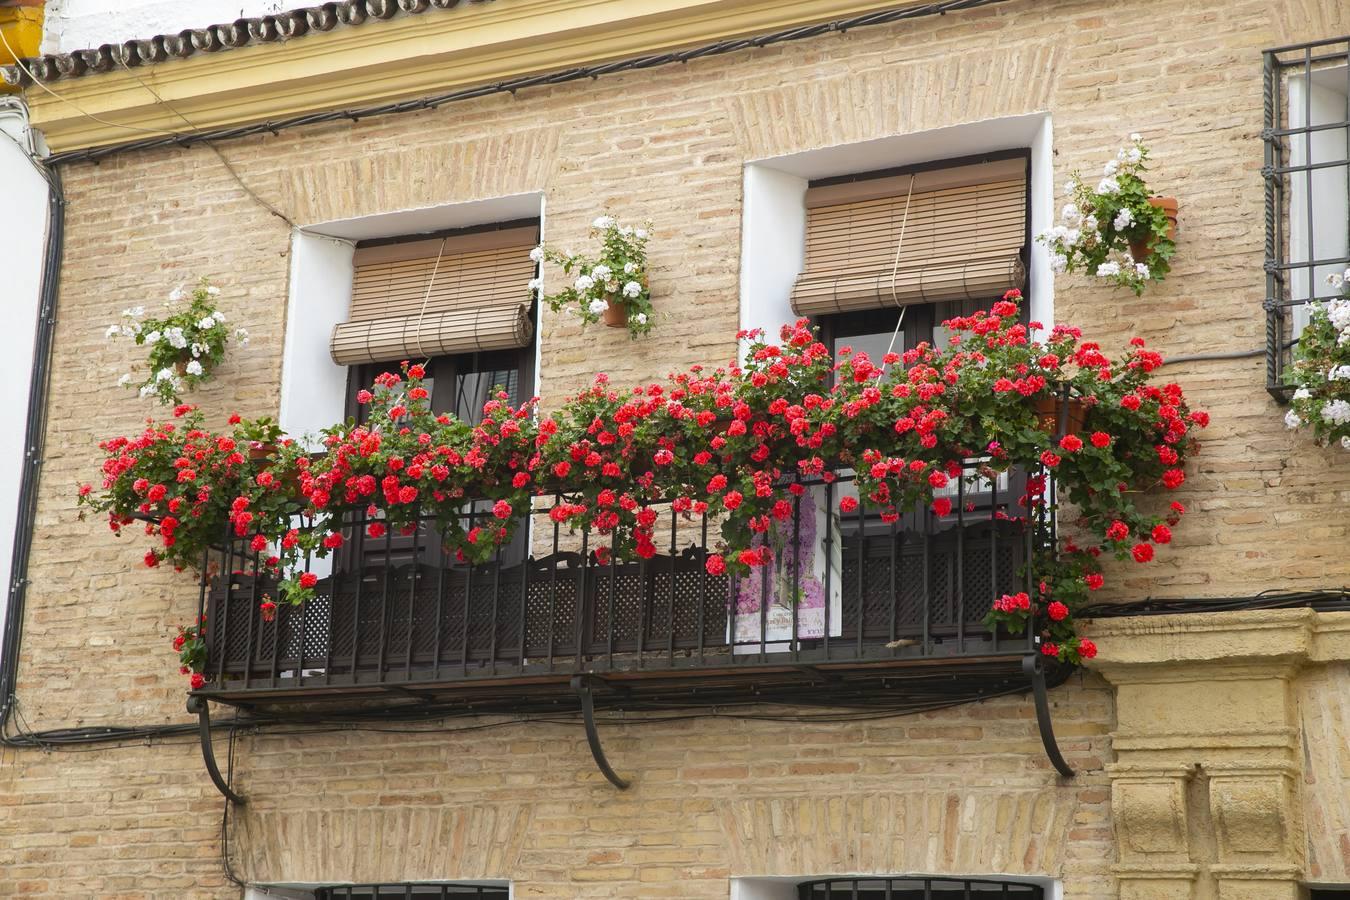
(617, 278)
(741, 444)
(190, 642)
(183, 480)
(1321, 370)
(185, 345)
(1101, 224)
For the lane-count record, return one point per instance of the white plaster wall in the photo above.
(313, 387)
(81, 24)
(23, 196)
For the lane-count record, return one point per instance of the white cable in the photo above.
(895, 269)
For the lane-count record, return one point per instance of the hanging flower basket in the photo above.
(1142, 248)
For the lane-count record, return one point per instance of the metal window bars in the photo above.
(404, 619)
(426, 891)
(1307, 188)
(917, 888)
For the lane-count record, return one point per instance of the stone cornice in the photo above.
(1154, 647)
(399, 59)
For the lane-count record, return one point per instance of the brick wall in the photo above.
(961, 790)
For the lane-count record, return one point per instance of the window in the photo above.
(413, 892)
(917, 889)
(1307, 164)
(455, 303)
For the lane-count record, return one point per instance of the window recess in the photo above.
(1307, 189)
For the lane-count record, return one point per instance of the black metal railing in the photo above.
(427, 891)
(855, 590)
(912, 888)
(1307, 203)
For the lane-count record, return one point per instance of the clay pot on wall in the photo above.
(1140, 249)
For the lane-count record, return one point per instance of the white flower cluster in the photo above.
(1321, 369)
(616, 277)
(1091, 234)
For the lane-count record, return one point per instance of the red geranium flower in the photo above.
(1057, 611)
(1142, 552)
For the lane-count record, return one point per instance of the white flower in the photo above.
(134, 312)
(218, 316)
(1110, 168)
(1123, 219)
(146, 390)
(212, 291)
(164, 375)
(1108, 185)
(198, 349)
(1335, 280)
(1302, 394)
(1071, 214)
(152, 337)
(1337, 412)
(1141, 269)
(1070, 186)
(1291, 419)
(113, 331)
(1345, 442)
(626, 231)
(537, 254)
(1058, 262)
(640, 318)
(1135, 137)
(1108, 269)
(1339, 373)
(583, 283)
(176, 294)
(629, 268)
(598, 306)
(1134, 155)
(632, 289)
(603, 223)
(601, 272)
(176, 338)
(535, 284)
(194, 368)
(640, 233)
(241, 336)
(206, 323)
(124, 380)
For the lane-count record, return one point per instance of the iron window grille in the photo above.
(412, 892)
(1307, 189)
(911, 888)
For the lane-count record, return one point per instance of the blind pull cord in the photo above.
(895, 270)
(427, 296)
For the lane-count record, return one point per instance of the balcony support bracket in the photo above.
(200, 707)
(1034, 668)
(581, 686)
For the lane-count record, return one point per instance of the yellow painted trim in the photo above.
(409, 56)
(22, 27)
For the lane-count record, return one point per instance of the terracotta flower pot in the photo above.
(1047, 411)
(1141, 249)
(259, 450)
(616, 314)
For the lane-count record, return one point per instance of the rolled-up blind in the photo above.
(963, 239)
(442, 296)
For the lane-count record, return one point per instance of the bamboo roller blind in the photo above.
(963, 239)
(476, 301)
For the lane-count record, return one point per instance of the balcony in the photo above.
(863, 606)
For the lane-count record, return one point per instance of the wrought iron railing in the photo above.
(398, 612)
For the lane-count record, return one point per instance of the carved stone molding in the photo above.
(1149, 810)
(1205, 792)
